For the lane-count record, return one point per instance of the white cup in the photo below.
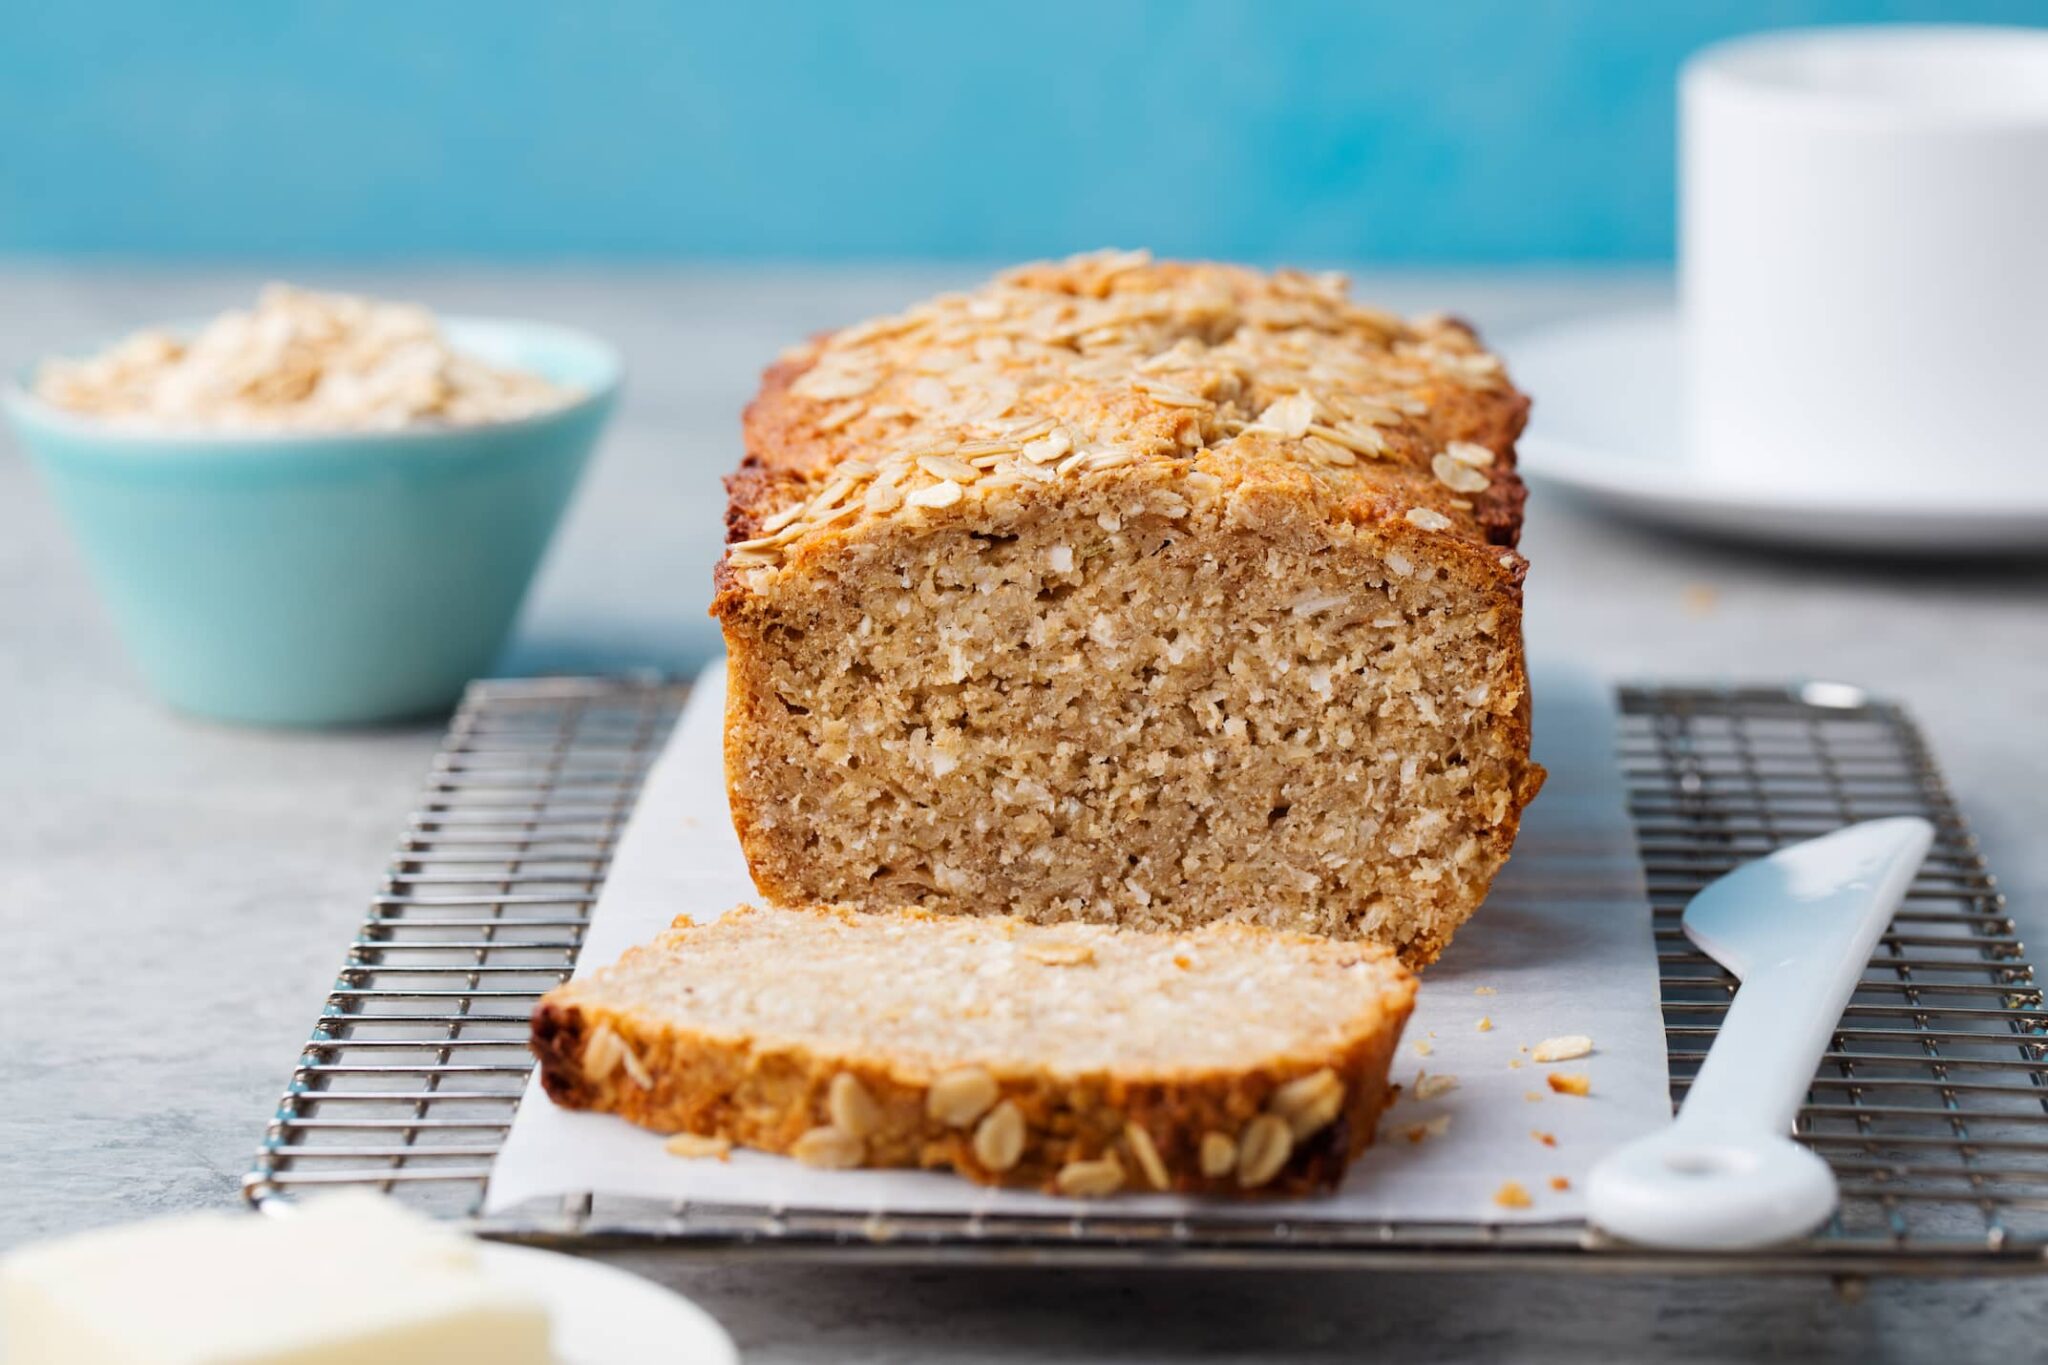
(1863, 261)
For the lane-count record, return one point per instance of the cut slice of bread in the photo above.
(1081, 1059)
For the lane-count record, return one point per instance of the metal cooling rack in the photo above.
(1930, 1105)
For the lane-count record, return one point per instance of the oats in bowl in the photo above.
(299, 361)
(324, 512)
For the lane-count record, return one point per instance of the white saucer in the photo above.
(1606, 424)
(604, 1316)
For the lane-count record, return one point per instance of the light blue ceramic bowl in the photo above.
(325, 579)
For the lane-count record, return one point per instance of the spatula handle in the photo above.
(1761, 1065)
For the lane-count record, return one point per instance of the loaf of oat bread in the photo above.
(1130, 592)
(1080, 1059)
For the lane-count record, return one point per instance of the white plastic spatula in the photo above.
(1796, 928)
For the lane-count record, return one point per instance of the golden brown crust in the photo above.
(769, 1094)
(1127, 359)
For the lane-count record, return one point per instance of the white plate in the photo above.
(604, 1316)
(1607, 425)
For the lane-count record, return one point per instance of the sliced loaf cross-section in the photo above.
(1133, 592)
(1080, 1059)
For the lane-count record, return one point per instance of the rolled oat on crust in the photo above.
(1133, 592)
(988, 1046)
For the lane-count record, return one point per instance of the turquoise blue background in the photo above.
(1492, 131)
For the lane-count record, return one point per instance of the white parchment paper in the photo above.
(1563, 946)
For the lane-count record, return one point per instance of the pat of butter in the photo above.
(348, 1279)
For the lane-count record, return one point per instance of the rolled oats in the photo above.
(1091, 1179)
(1180, 364)
(999, 1137)
(829, 1148)
(948, 467)
(1309, 1103)
(298, 361)
(601, 1053)
(1219, 1155)
(1145, 1153)
(1456, 475)
(623, 1055)
(944, 493)
(852, 1108)
(697, 1145)
(1568, 1048)
(1262, 1150)
(959, 1097)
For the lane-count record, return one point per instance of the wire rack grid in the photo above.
(1930, 1104)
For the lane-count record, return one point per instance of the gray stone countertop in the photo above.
(175, 895)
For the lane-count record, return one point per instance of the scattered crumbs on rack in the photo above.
(1428, 1087)
(1568, 1048)
(1514, 1063)
(1560, 1183)
(1422, 1048)
(1570, 1082)
(694, 1145)
(1547, 1139)
(1485, 1024)
(1533, 1096)
(1511, 1195)
(1483, 990)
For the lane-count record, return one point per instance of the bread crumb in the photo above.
(1532, 1095)
(1558, 1182)
(1483, 990)
(1547, 1139)
(1700, 599)
(1485, 1025)
(1565, 1049)
(1511, 1195)
(1428, 1128)
(1570, 1082)
(1514, 1063)
(1429, 1087)
(1422, 1049)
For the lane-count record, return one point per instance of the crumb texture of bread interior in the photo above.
(1208, 666)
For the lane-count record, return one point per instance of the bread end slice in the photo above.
(1079, 1059)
